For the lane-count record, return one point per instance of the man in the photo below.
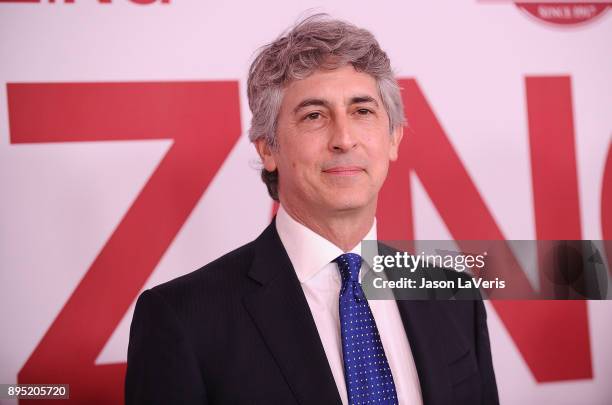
(283, 319)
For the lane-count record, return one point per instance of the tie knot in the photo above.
(349, 265)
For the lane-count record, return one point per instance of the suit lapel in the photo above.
(282, 316)
(434, 340)
(426, 344)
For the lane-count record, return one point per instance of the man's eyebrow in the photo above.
(363, 99)
(310, 101)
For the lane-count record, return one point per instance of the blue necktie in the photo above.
(366, 370)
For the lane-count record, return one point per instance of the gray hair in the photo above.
(317, 42)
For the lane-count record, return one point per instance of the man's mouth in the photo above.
(344, 170)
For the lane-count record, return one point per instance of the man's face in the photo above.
(334, 143)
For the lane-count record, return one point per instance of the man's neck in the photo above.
(344, 229)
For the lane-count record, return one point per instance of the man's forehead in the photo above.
(343, 85)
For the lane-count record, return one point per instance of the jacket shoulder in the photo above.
(220, 276)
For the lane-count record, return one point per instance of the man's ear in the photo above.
(396, 138)
(265, 153)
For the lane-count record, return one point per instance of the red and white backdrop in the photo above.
(124, 162)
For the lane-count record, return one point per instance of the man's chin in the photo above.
(347, 205)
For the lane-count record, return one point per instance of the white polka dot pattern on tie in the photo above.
(366, 370)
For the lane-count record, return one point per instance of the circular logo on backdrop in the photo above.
(564, 13)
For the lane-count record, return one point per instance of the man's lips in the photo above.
(344, 170)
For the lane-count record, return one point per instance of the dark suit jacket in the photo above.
(239, 331)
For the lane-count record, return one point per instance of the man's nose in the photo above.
(342, 138)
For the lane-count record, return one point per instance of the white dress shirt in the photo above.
(311, 256)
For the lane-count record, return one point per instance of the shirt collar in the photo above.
(308, 251)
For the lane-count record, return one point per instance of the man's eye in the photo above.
(313, 116)
(364, 111)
